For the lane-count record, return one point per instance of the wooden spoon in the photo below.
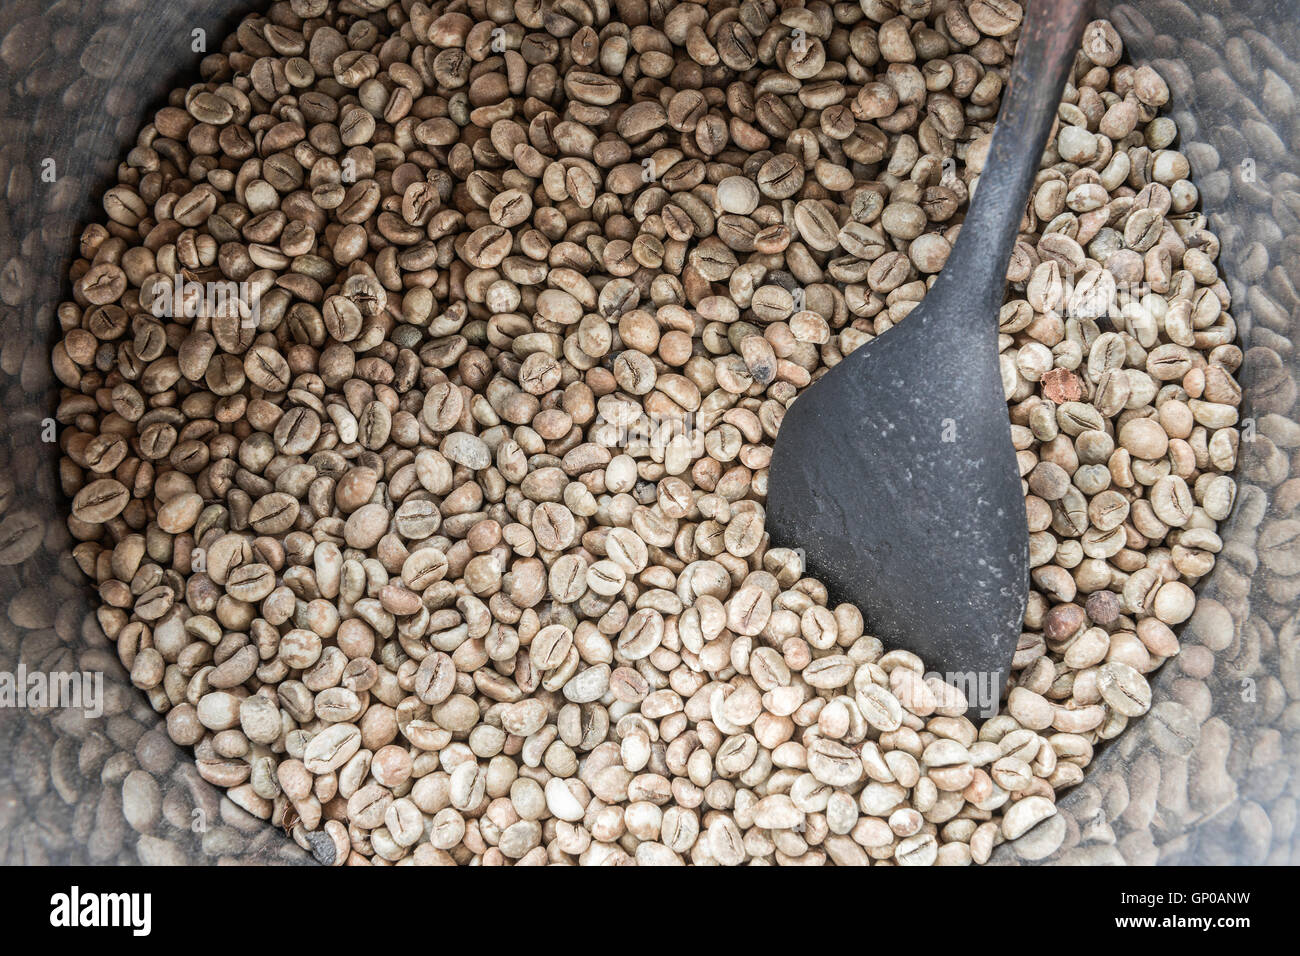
(895, 472)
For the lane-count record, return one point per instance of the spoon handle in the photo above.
(1049, 40)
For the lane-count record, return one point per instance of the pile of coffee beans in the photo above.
(420, 386)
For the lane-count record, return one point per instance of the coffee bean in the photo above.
(100, 501)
